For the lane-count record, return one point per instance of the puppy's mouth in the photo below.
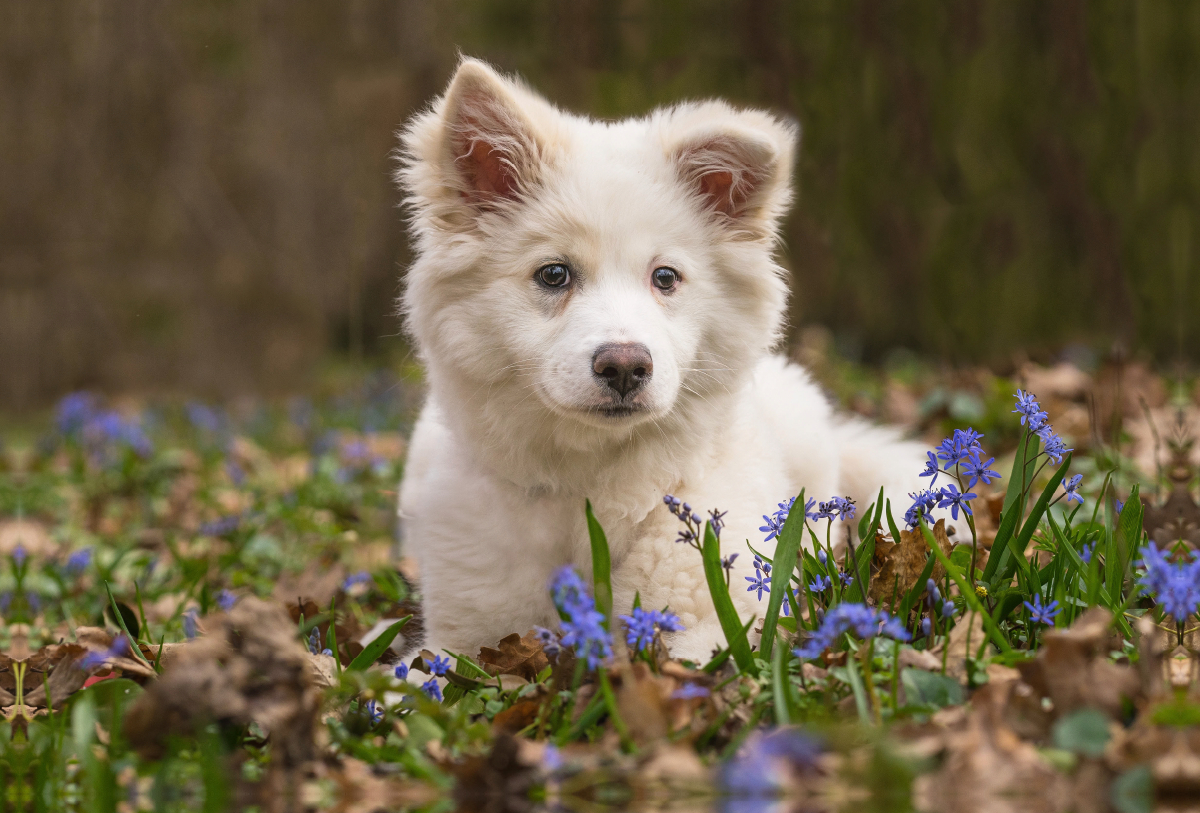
(617, 411)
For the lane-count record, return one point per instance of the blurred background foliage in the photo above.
(196, 196)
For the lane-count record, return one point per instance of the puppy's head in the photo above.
(600, 272)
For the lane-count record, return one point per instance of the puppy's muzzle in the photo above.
(624, 367)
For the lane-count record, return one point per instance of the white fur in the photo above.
(509, 443)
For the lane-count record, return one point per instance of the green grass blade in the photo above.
(373, 650)
(968, 593)
(731, 625)
(1024, 466)
(861, 704)
(133, 644)
(779, 685)
(861, 586)
(1126, 539)
(1016, 547)
(787, 548)
(601, 566)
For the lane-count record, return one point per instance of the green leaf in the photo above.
(1083, 732)
(931, 688)
(731, 625)
(1016, 547)
(601, 565)
(373, 650)
(861, 585)
(1133, 791)
(1124, 543)
(967, 591)
(787, 549)
(120, 619)
(1024, 466)
(779, 682)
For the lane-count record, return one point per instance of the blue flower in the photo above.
(643, 625)
(314, 641)
(1055, 448)
(1042, 614)
(689, 691)
(583, 628)
(717, 520)
(374, 712)
(226, 599)
(1120, 504)
(438, 666)
(118, 649)
(220, 527)
(931, 467)
(74, 411)
(204, 418)
(931, 588)
(864, 621)
(958, 446)
(819, 584)
(189, 623)
(947, 609)
(977, 470)
(1030, 410)
(767, 766)
(361, 577)
(727, 563)
(1086, 554)
(78, 561)
(19, 554)
(845, 578)
(922, 503)
(953, 499)
(760, 581)
(431, 688)
(1071, 488)
(549, 641)
(401, 671)
(926, 627)
(1175, 587)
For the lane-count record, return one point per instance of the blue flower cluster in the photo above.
(962, 452)
(643, 625)
(583, 628)
(1039, 424)
(835, 508)
(314, 643)
(78, 562)
(693, 523)
(106, 434)
(863, 621)
(1174, 586)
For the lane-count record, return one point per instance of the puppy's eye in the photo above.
(554, 275)
(665, 278)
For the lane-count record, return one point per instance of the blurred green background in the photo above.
(195, 197)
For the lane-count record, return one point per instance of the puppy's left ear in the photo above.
(738, 164)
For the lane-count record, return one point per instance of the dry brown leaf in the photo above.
(901, 564)
(248, 668)
(515, 655)
(521, 714)
(360, 790)
(1073, 670)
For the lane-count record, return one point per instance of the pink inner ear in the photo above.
(717, 188)
(488, 172)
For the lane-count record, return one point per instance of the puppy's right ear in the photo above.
(478, 150)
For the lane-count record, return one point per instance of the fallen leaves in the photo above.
(900, 564)
(517, 655)
(248, 668)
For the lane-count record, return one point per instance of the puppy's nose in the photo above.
(624, 367)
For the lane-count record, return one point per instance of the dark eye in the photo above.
(555, 275)
(665, 278)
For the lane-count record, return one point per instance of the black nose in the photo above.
(624, 367)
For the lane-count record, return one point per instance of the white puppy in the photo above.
(596, 305)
